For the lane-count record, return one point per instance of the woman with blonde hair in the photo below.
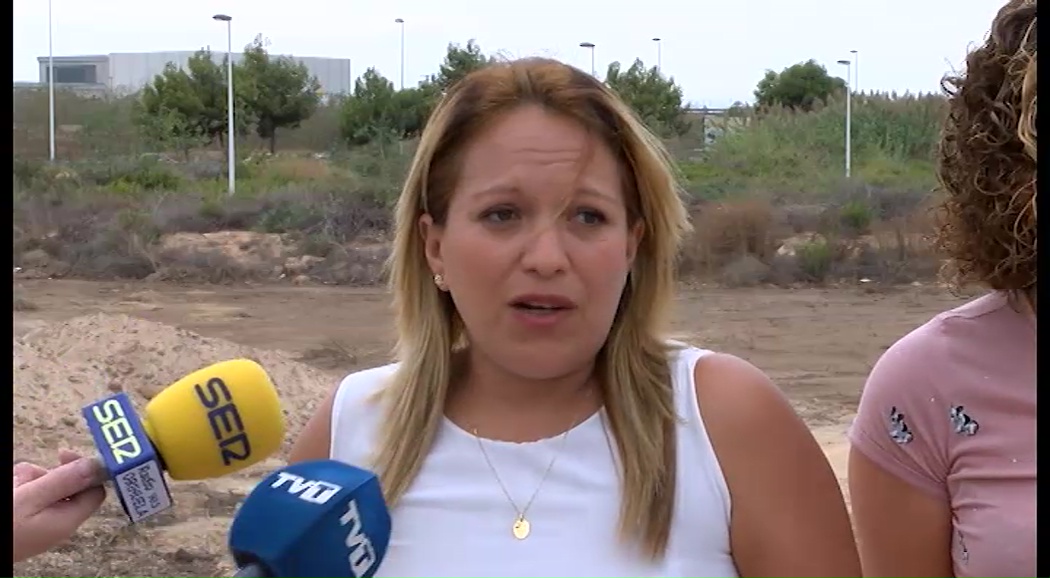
(538, 422)
(942, 471)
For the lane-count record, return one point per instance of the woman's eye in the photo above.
(499, 215)
(590, 217)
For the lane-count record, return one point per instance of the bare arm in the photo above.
(788, 515)
(899, 463)
(897, 523)
(314, 442)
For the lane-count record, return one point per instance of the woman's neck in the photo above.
(503, 406)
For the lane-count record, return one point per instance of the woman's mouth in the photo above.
(537, 308)
(541, 308)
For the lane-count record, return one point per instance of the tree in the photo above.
(280, 93)
(377, 112)
(193, 101)
(168, 129)
(170, 109)
(413, 107)
(800, 86)
(655, 99)
(371, 112)
(459, 62)
(209, 83)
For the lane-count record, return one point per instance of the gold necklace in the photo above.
(521, 527)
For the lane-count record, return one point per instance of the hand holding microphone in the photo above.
(213, 422)
(319, 518)
(49, 505)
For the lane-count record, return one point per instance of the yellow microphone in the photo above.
(213, 422)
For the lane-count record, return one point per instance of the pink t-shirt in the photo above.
(950, 409)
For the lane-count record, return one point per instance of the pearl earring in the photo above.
(439, 281)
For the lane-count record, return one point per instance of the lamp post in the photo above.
(590, 46)
(401, 22)
(659, 55)
(50, 86)
(856, 70)
(230, 159)
(849, 115)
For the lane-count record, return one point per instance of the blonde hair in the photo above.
(633, 363)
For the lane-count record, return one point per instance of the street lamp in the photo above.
(590, 46)
(401, 21)
(659, 55)
(230, 159)
(849, 115)
(856, 70)
(50, 86)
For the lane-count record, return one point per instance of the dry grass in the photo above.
(751, 242)
(341, 239)
(726, 231)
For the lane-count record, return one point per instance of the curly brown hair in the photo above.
(987, 159)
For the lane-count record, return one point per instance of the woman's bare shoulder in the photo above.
(788, 515)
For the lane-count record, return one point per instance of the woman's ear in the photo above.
(432, 233)
(634, 238)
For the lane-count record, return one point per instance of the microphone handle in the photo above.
(253, 570)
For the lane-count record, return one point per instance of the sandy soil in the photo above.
(75, 338)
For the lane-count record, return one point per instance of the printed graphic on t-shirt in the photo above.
(961, 553)
(963, 424)
(899, 430)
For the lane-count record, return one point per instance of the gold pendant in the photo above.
(521, 528)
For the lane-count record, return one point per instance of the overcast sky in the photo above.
(717, 50)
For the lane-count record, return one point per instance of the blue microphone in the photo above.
(128, 456)
(319, 518)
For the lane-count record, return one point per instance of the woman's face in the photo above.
(536, 248)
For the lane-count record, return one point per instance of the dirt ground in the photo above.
(76, 341)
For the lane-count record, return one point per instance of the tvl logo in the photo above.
(362, 555)
(313, 491)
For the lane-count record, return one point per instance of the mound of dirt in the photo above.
(61, 367)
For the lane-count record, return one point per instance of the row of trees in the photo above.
(184, 108)
(375, 110)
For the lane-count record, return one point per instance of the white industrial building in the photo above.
(122, 73)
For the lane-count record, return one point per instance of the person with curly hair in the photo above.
(942, 472)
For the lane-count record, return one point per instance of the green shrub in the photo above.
(815, 259)
(802, 155)
(855, 218)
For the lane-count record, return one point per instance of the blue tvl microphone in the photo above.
(319, 518)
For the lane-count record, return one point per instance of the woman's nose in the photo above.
(544, 252)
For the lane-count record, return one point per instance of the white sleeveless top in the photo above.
(455, 520)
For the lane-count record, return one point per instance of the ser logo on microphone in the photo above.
(313, 491)
(128, 455)
(225, 420)
(116, 429)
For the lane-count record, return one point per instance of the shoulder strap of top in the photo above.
(355, 414)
